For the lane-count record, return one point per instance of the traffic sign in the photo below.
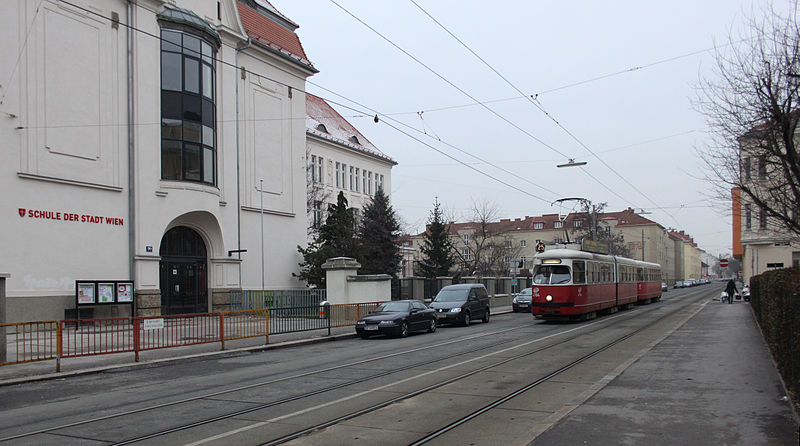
(723, 263)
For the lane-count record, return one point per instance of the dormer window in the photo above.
(354, 140)
(322, 128)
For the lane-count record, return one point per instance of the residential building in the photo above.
(761, 242)
(644, 238)
(156, 142)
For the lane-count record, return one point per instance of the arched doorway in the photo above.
(184, 282)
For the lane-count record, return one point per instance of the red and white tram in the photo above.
(570, 284)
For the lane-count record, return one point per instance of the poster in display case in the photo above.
(105, 292)
(85, 292)
(124, 292)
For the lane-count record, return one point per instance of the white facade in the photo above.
(84, 195)
(341, 159)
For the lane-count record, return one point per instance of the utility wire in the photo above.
(21, 51)
(486, 106)
(388, 118)
(532, 136)
(344, 106)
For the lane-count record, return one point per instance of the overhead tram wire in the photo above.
(389, 118)
(490, 109)
(462, 91)
(533, 101)
(97, 14)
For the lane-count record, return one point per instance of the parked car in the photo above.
(664, 286)
(678, 284)
(461, 304)
(522, 301)
(746, 293)
(397, 318)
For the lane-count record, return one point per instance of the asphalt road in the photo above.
(523, 374)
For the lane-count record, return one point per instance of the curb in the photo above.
(154, 362)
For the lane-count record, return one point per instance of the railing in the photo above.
(38, 341)
(261, 299)
(31, 341)
(342, 315)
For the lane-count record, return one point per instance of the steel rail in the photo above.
(372, 408)
(274, 381)
(626, 315)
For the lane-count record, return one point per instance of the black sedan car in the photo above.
(397, 318)
(522, 301)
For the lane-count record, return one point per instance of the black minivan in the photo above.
(461, 304)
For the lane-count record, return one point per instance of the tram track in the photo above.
(582, 329)
(334, 421)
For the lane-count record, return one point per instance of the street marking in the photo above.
(386, 386)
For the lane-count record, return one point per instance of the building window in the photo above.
(466, 253)
(507, 259)
(748, 216)
(352, 187)
(508, 244)
(762, 218)
(578, 223)
(317, 212)
(746, 168)
(344, 176)
(466, 239)
(538, 225)
(358, 176)
(523, 243)
(369, 183)
(381, 183)
(320, 170)
(338, 168)
(558, 224)
(188, 109)
(313, 168)
(762, 168)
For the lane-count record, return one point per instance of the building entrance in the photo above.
(184, 282)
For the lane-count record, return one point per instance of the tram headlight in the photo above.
(549, 298)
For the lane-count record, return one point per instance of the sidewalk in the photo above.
(712, 382)
(42, 370)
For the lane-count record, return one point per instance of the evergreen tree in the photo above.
(378, 233)
(437, 250)
(336, 238)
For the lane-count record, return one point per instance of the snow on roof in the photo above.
(337, 129)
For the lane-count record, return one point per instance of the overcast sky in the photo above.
(637, 124)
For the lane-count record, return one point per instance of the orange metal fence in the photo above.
(243, 324)
(38, 341)
(30, 341)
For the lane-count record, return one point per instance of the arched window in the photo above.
(188, 107)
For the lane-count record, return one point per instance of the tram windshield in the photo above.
(551, 275)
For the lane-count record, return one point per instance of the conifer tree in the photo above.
(378, 233)
(437, 250)
(336, 238)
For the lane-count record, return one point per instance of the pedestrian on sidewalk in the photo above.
(731, 290)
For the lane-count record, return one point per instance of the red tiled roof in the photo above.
(263, 30)
(338, 129)
(624, 218)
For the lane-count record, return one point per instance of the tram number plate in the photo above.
(371, 328)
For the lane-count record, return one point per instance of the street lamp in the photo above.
(571, 163)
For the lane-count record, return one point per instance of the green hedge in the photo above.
(775, 299)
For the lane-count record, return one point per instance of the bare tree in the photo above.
(484, 246)
(600, 231)
(751, 103)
